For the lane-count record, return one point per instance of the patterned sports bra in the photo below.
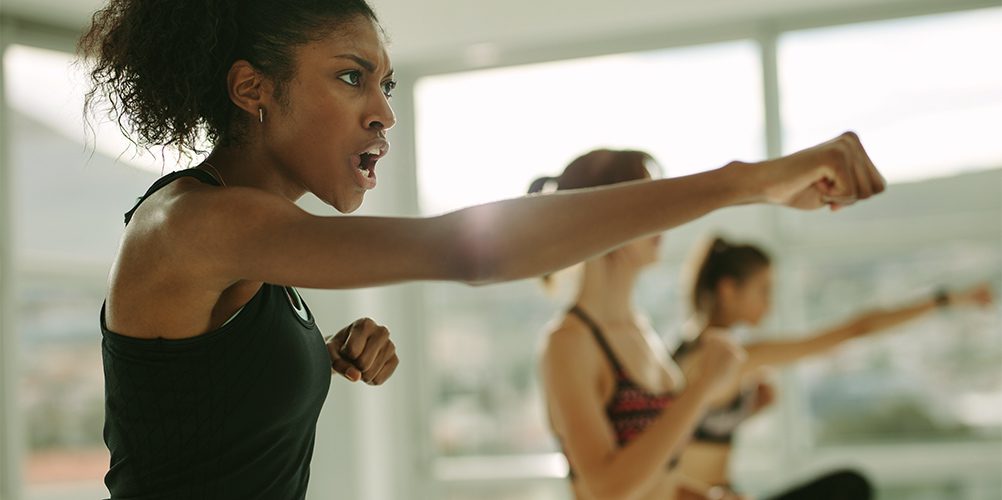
(720, 424)
(631, 408)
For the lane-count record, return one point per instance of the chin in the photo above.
(347, 206)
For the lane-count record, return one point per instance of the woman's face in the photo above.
(748, 301)
(329, 127)
(640, 253)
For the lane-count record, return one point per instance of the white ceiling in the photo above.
(429, 29)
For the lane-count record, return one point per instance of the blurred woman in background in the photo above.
(733, 287)
(619, 405)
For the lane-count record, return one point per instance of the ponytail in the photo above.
(540, 185)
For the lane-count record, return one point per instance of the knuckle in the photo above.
(354, 347)
(837, 155)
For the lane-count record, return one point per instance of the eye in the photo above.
(353, 78)
(388, 87)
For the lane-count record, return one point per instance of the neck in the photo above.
(716, 319)
(719, 321)
(607, 291)
(241, 166)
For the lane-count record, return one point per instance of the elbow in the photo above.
(610, 488)
(476, 262)
(610, 484)
(476, 271)
(478, 256)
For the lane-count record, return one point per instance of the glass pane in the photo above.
(925, 94)
(934, 379)
(61, 390)
(485, 135)
(937, 378)
(67, 220)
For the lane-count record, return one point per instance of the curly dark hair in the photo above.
(160, 66)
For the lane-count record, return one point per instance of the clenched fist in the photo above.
(363, 351)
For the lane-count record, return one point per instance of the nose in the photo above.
(380, 116)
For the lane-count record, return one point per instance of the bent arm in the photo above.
(570, 370)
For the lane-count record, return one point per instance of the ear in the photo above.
(249, 89)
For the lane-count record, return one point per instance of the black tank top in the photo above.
(230, 414)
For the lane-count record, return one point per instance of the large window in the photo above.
(925, 93)
(486, 135)
(925, 98)
(67, 220)
(930, 380)
(928, 103)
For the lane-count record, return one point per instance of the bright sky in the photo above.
(923, 93)
(486, 135)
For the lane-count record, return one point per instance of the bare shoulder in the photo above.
(177, 254)
(183, 235)
(570, 346)
(201, 225)
(214, 211)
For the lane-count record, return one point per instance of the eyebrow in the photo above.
(368, 65)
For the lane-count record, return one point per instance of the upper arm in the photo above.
(248, 234)
(571, 369)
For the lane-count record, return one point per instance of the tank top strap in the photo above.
(599, 337)
(201, 175)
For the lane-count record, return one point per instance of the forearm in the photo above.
(763, 354)
(778, 353)
(527, 237)
(882, 320)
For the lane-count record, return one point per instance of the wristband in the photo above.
(941, 298)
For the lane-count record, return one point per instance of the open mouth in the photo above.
(367, 163)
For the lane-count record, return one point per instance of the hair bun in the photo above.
(719, 245)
